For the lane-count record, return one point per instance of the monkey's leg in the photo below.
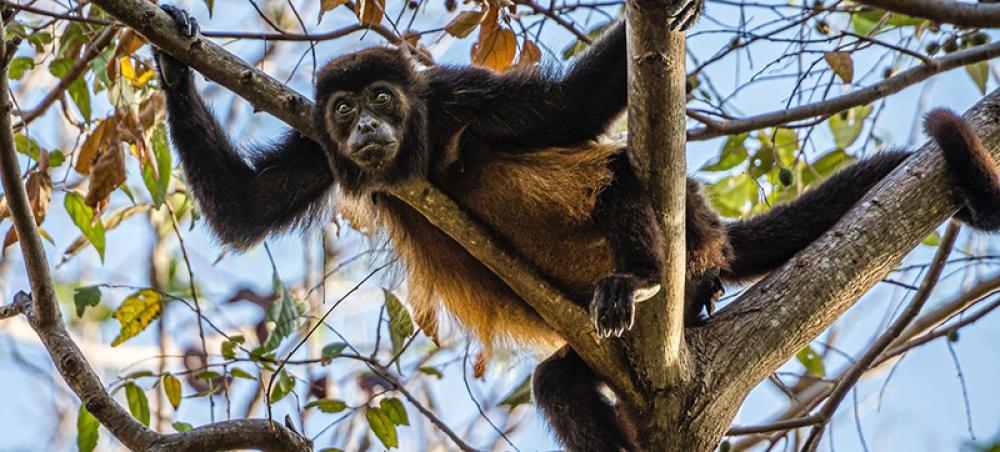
(976, 174)
(762, 243)
(567, 392)
(625, 216)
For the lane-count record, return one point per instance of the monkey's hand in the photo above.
(613, 306)
(708, 289)
(684, 14)
(173, 73)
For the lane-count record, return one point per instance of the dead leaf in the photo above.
(39, 188)
(495, 50)
(530, 54)
(151, 111)
(88, 150)
(108, 174)
(465, 23)
(480, 366)
(328, 5)
(842, 65)
(369, 12)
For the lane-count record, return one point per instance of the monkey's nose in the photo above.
(367, 126)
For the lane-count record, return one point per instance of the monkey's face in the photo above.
(367, 125)
(371, 112)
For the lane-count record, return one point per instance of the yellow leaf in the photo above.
(465, 22)
(841, 64)
(495, 50)
(172, 387)
(136, 313)
(128, 71)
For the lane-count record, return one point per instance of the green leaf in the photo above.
(328, 405)
(229, 346)
(286, 312)
(182, 427)
(86, 430)
(732, 196)
(207, 375)
(86, 296)
(211, 6)
(136, 313)
(980, 73)
(382, 427)
(811, 361)
(157, 179)
(77, 88)
(25, 145)
(240, 373)
(932, 240)
(519, 396)
(734, 152)
(282, 387)
(427, 370)
(394, 411)
(83, 218)
(172, 388)
(579, 46)
(137, 403)
(332, 351)
(400, 324)
(56, 158)
(846, 126)
(18, 66)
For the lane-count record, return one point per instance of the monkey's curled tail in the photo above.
(975, 173)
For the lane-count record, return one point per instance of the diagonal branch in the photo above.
(770, 323)
(963, 14)
(267, 94)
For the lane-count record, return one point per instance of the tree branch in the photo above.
(769, 322)
(267, 94)
(837, 104)
(235, 434)
(963, 14)
(46, 320)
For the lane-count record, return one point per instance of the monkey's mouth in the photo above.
(374, 154)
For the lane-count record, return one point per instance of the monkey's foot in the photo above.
(709, 291)
(684, 14)
(613, 307)
(172, 71)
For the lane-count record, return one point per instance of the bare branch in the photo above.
(234, 434)
(963, 14)
(837, 104)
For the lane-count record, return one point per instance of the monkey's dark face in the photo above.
(367, 124)
(372, 116)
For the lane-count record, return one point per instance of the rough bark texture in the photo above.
(656, 141)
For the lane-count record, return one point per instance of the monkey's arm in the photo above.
(526, 109)
(283, 184)
(625, 216)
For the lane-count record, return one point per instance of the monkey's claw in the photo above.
(684, 14)
(186, 24)
(613, 307)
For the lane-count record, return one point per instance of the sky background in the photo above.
(921, 409)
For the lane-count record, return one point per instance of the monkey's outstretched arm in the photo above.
(528, 109)
(281, 185)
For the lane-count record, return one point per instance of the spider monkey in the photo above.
(521, 151)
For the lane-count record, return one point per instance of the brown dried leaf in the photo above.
(39, 188)
(491, 20)
(369, 12)
(481, 365)
(495, 50)
(151, 111)
(88, 150)
(530, 54)
(128, 42)
(465, 22)
(108, 174)
(842, 65)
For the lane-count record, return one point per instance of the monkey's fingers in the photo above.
(186, 24)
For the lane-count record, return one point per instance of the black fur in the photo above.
(448, 119)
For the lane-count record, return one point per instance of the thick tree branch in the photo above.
(963, 14)
(267, 94)
(771, 322)
(259, 434)
(44, 317)
(863, 96)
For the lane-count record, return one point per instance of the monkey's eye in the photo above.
(382, 98)
(344, 108)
